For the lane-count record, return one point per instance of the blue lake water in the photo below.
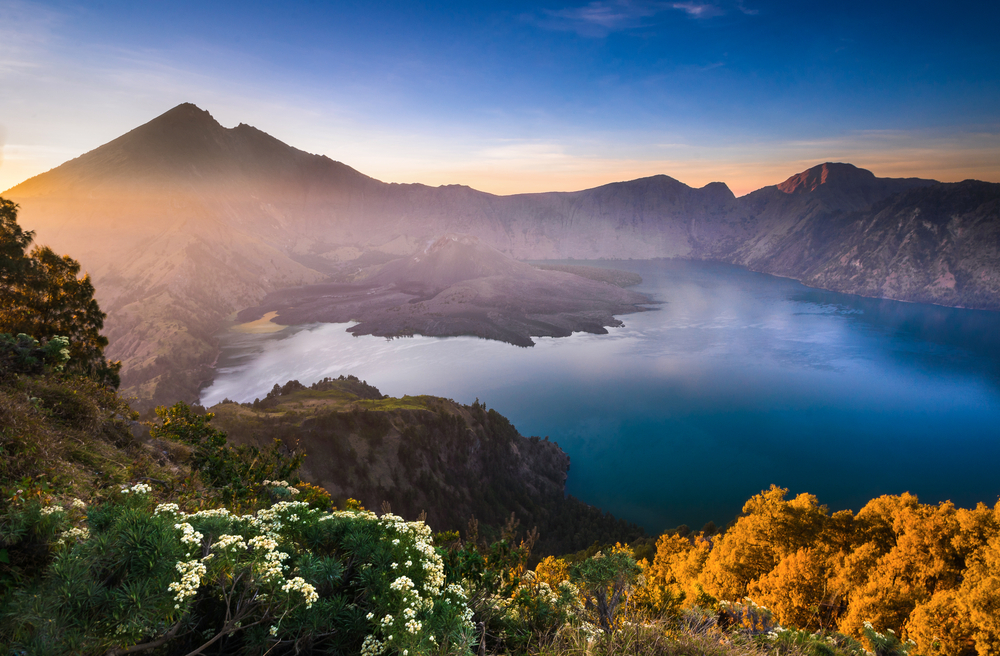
(737, 381)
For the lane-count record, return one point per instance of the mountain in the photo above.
(447, 261)
(762, 220)
(936, 243)
(182, 223)
(457, 285)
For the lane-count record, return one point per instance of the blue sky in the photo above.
(523, 96)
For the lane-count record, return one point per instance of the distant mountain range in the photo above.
(182, 223)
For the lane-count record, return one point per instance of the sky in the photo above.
(512, 97)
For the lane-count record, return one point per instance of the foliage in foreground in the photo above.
(135, 575)
(42, 295)
(258, 565)
(928, 573)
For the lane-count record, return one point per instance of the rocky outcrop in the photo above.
(424, 454)
(938, 243)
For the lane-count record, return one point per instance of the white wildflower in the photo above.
(299, 584)
(191, 573)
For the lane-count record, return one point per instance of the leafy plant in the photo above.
(605, 581)
(135, 576)
(239, 473)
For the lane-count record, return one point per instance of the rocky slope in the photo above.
(424, 454)
(938, 244)
(457, 286)
(182, 222)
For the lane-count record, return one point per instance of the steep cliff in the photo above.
(427, 454)
(938, 243)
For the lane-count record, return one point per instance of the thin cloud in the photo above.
(601, 17)
(698, 9)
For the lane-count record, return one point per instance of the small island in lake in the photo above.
(460, 286)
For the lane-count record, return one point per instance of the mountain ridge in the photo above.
(183, 222)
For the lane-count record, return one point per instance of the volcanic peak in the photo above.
(827, 173)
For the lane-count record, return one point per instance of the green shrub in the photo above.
(605, 581)
(239, 473)
(137, 576)
(25, 355)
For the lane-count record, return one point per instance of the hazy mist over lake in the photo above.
(737, 381)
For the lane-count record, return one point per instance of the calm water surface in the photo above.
(737, 381)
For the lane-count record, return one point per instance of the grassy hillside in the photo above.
(71, 436)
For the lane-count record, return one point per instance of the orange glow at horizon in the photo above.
(741, 179)
(556, 172)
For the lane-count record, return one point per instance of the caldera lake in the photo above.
(735, 381)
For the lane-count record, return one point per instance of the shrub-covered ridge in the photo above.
(424, 454)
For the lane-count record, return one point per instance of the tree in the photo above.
(13, 242)
(662, 585)
(605, 582)
(42, 295)
(922, 560)
(794, 589)
(770, 529)
(941, 627)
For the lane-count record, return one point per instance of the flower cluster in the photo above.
(211, 512)
(226, 541)
(431, 561)
(372, 646)
(269, 520)
(79, 504)
(776, 632)
(191, 573)
(402, 584)
(138, 488)
(271, 567)
(48, 510)
(299, 584)
(171, 508)
(283, 484)
(262, 544)
(190, 536)
(73, 534)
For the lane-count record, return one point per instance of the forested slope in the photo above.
(425, 454)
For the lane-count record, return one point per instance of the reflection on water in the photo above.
(737, 381)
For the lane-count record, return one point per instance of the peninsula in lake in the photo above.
(458, 286)
(183, 223)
